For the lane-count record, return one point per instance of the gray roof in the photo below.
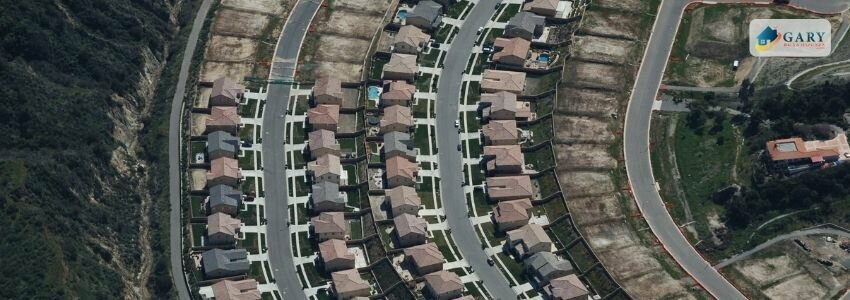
(399, 141)
(224, 195)
(222, 141)
(225, 261)
(526, 20)
(326, 191)
(548, 265)
(428, 10)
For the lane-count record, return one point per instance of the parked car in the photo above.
(457, 123)
(480, 29)
(490, 262)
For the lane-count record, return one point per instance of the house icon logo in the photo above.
(768, 38)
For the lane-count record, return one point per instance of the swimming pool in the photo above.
(402, 14)
(543, 57)
(373, 93)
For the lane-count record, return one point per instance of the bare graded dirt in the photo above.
(369, 7)
(798, 287)
(600, 49)
(594, 75)
(335, 48)
(582, 184)
(231, 49)
(235, 71)
(349, 24)
(587, 102)
(622, 5)
(199, 179)
(199, 124)
(584, 157)
(606, 23)
(598, 209)
(276, 7)
(238, 23)
(577, 129)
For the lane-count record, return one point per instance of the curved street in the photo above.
(636, 144)
(450, 163)
(174, 170)
(274, 161)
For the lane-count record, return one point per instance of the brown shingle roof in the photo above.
(408, 224)
(321, 139)
(425, 255)
(501, 130)
(226, 87)
(222, 223)
(329, 222)
(444, 282)
(411, 35)
(327, 86)
(500, 101)
(495, 80)
(324, 114)
(503, 156)
(516, 47)
(509, 187)
(530, 234)
(223, 167)
(511, 211)
(402, 63)
(236, 290)
(567, 287)
(397, 114)
(403, 195)
(334, 249)
(348, 281)
(400, 166)
(223, 116)
(542, 4)
(398, 90)
(325, 164)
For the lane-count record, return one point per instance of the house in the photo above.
(410, 230)
(322, 142)
(506, 159)
(443, 285)
(545, 266)
(410, 40)
(222, 144)
(348, 284)
(226, 92)
(323, 116)
(513, 51)
(399, 144)
(401, 171)
(426, 15)
(426, 258)
(566, 288)
(512, 214)
(396, 118)
(403, 200)
(397, 92)
(494, 81)
(795, 155)
(547, 8)
(500, 132)
(528, 240)
(329, 225)
(223, 118)
(325, 168)
(504, 106)
(224, 199)
(223, 263)
(335, 256)
(509, 188)
(400, 66)
(224, 170)
(236, 290)
(325, 196)
(222, 229)
(327, 90)
(525, 25)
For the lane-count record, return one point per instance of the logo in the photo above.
(790, 37)
(768, 38)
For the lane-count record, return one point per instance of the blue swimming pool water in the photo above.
(373, 93)
(402, 14)
(544, 58)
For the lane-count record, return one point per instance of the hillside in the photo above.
(79, 206)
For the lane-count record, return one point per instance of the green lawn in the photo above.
(474, 148)
(197, 203)
(314, 275)
(429, 59)
(420, 110)
(356, 229)
(423, 82)
(548, 185)
(420, 139)
(510, 11)
(198, 231)
(425, 192)
(246, 162)
(377, 68)
(246, 132)
(513, 267)
(456, 9)
(197, 147)
(472, 122)
(249, 243)
(249, 215)
(300, 133)
(474, 92)
(541, 158)
(439, 239)
(248, 110)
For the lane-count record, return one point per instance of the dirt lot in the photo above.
(587, 102)
(600, 49)
(575, 129)
(624, 5)
(199, 179)
(238, 23)
(372, 7)
(582, 184)
(235, 71)
(584, 157)
(338, 49)
(199, 124)
(598, 209)
(347, 72)
(610, 24)
(350, 24)
(264, 6)
(594, 75)
(231, 49)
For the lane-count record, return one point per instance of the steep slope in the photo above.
(79, 207)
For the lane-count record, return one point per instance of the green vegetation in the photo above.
(510, 11)
(456, 9)
(68, 214)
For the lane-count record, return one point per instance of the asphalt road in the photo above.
(792, 235)
(636, 146)
(174, 143)
(451, 173)
(274, 161)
